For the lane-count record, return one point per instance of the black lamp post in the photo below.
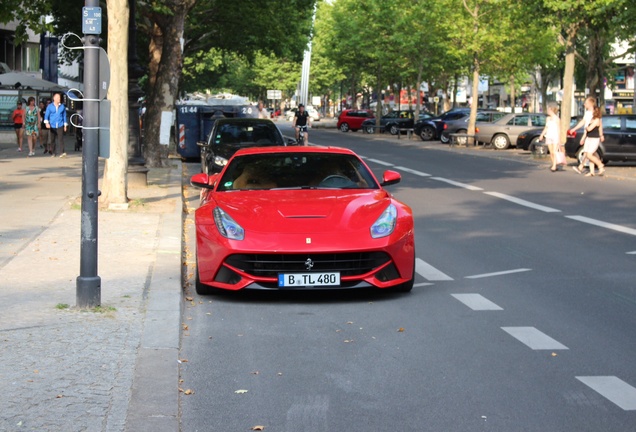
(137, 171)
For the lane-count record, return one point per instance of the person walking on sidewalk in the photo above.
(18, 123)
(589, 105)
(551, 134)
(44, 132)
(593, 136)
(57, 123)
(31, 125)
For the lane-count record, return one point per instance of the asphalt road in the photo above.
(523, 316)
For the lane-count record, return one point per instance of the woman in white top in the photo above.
(551, 133)
(589, 105)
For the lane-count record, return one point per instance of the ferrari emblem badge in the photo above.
(309, 264)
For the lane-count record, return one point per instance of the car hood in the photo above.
(306, 211)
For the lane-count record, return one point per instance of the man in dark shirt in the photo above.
(302, 120)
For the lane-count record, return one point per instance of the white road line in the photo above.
(602, 224)
(422, 284)
(429, 272)
(484, 275)
(412, 171)
(379, 162)
(631, 253)
(477, 302)
(523, 202)
(533, 338)
(458, 184)
(612, 388)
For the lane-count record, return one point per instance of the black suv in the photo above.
(229, 135)
(391, 122)
(619, 143)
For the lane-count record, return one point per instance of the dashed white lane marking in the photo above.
(631, 253)
(523, 202)
(458, 184)
(533, 338)
(429, 272)
(602, 224)
(412, 171)
(612, 388)
(506, 272)
(477, 302)
(379, 162)
(422, 284)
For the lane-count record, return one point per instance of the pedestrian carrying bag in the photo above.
(560, 158)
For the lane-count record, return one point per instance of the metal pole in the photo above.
(88, 288)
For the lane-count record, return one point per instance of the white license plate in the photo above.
(308, 279)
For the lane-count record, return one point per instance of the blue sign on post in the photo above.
(92, 20)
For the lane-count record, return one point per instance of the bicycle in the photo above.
(302, 137)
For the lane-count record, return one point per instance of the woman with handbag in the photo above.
(593, 136)
(551, 133)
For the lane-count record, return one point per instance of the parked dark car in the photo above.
(527, 140)
(619, 143)
(504, 132)
(228, 135)
(394, 121)
(460, 125)
(351, 119)
(430, 129)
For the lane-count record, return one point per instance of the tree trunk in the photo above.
(475, 97)
(594, 63)
(378, 106)
(568, 81)
(512, 94)
(114, 184)
(417, 92)
(165, 86)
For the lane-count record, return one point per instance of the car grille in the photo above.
(270, 265)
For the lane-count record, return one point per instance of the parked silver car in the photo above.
(461, 124)
(504, 132)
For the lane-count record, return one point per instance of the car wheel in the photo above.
(462, 140)
(201, 288)
(408, 285)
(369, 129)
(393, 130)
(344, 127)
(533, 143)
(500, 142)
(445, 139)
(427, 133)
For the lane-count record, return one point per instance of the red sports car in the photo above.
(301, 218)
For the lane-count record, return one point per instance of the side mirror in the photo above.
(390, 178)
(202, 180)
(202, 143)
(291, 142)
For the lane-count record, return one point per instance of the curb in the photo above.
(154, 403)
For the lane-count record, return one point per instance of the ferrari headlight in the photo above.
(227, 226)
(385, 224)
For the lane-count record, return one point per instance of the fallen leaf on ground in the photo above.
(240, 391)
(189, 298)
(188, 392)
(258, 428)
(349, 322)
(255, 373)
(59, 396)
(185, 326)
(401, 329)
(554, 354)
(183, 360)
(348, 340)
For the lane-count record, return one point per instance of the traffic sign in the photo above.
(274, 94)
(92, 20)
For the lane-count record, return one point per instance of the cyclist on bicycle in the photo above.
(302, 120)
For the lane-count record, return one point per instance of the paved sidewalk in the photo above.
(111, 369)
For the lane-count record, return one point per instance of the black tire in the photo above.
(408, 285)
(427, 133)
(369, 129)
(533, 143)
(201, 288)
(394, 130)
(344, 127)
(445, 139)
(500, 142)
(462, 141)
